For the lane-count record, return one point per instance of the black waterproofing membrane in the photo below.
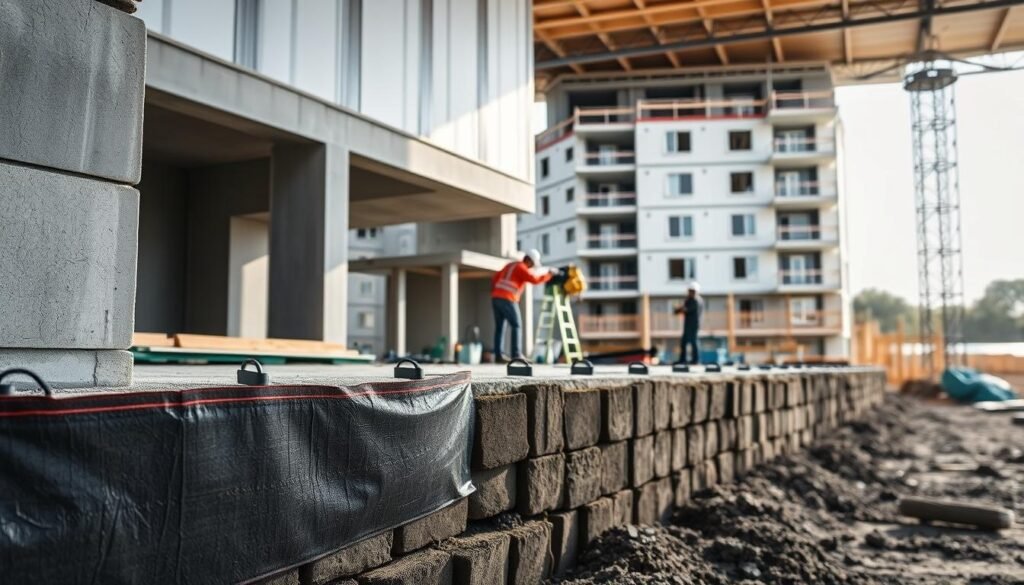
(221, 485)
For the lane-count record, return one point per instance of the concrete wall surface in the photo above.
(68, 261)
(71, 86)
(576, 457)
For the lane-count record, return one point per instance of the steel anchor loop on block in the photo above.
(10, 388)
(414, 372)
(524, 369)
(712, 368)
(255, 377)
(581, 368)
(638, 369)
(680, 368)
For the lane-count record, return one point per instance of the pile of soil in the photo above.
(829, 515)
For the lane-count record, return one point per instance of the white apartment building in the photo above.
(727, 176)
(305, 162)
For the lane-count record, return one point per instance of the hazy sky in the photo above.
(880, 189)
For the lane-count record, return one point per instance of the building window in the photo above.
(680, 226)
(545, 205)
(744, 267)
(247, 20)
(366, 320)
(570, 194)
(741, 182)
(677, 142)
(680, 184)
(568, 154)
(519, 244)
(682, 268)
(366, 288)
(361, 233)
(743, 224)
(570, 235)
(545, 244)
(545, 167)
(739, 140)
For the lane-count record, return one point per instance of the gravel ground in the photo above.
(829, 515)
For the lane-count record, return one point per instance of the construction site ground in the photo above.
(829, 514)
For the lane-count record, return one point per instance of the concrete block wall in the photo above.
(577, 457)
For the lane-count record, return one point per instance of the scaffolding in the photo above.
(937, 197)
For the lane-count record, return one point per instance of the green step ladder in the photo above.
(555, 309)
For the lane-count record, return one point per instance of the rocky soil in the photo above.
(829, 515)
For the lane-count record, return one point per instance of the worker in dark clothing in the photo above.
(692, 309)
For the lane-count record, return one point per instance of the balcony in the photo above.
(806, 237)
(753, 323)
(607, 162)
(610, 245)
(808, 279)
(608, 204)
(612, 283)
(604, 120)
(694, 109)
(801, 106)
(804, 194)
(553, 134)
(609, 326)
(797, 152)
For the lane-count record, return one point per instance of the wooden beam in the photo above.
(997, 38)
(585, 13)
(709, 27)
(847, 40)
(776, 42)
(557, 50)
(672, 57)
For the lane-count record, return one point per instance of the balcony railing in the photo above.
(807, 276)
(604, 283)
(553, 134)
(750, 322)
(804, 100)
(611, 241)
(601, 116)
(694, 108)
(609, 158)
(809, 144)
(807, 233)
(597, 324)
(610, 199)
(802, 188)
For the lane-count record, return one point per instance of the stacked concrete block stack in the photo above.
(572, 458)
(70, 155)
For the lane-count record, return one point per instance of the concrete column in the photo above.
(450, 307)
(309, 242)
(397, 318)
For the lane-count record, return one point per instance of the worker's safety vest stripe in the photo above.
(505, 282)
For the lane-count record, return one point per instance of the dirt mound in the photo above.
(829, 515)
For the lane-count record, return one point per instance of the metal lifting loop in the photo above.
(10, 388)
(638, 369)
(253, 378)
(526, 369)
(410, 373)
(581, 368)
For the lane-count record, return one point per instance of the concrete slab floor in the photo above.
(487, 378)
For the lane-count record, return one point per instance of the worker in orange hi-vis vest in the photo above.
(506, 288)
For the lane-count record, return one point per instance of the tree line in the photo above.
(998, 316)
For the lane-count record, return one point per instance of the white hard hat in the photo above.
(694, 286)
(534, 255)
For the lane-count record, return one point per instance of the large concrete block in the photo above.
(641, 460)
(428, 567)
(565, 540)
(614, 467)
(74, 75)
(643, 408)
(623, 507)
(541, 482)
(678, 449)
(582, 477)
(662, 408)
(436, 527)
(681, 485)
(481, 559)
(616, 414)
(718, 400)
(582, 418)
(500, 435)
(694, 444)
(544, 408)
(67, 266)
(653, 501)
(70, 368)
(352, 560)
(701, 396)
(598, 516)
(529, 554)
(681, 405)
(495, 492)
(662, 453)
